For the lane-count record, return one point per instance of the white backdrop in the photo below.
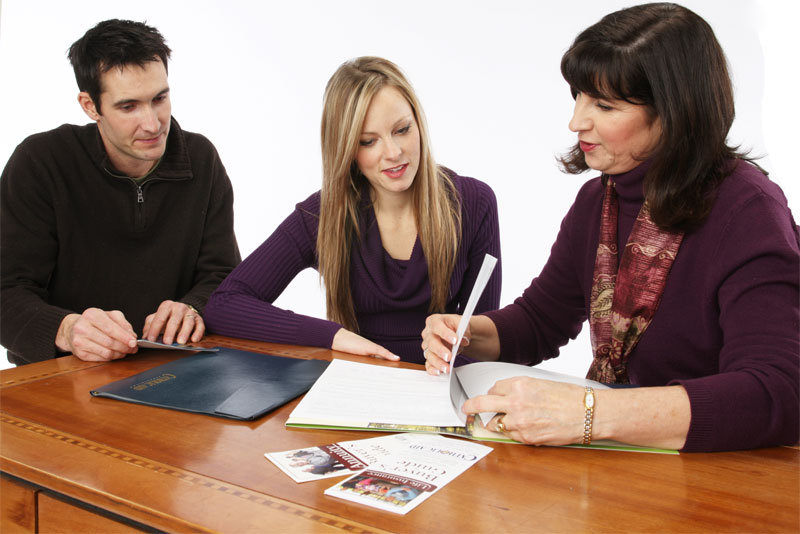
(250, 76)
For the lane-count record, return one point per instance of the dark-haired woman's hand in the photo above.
(480, 340)
(539, 412)
(542, 412)
(437, 341)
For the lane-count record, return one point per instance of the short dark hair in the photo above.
(666, 58)
(114, 43)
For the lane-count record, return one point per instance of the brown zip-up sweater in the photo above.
(75, 234)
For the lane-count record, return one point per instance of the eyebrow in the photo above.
(119, 103)
(403, 119)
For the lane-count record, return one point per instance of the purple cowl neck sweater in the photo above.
(728, 324)
(391, 297)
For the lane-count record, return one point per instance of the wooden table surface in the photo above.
(176, 471)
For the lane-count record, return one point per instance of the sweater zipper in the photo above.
(140, 222)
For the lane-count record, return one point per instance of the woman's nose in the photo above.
(392, 149)
(580, 117)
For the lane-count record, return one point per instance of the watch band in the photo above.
(588, 404)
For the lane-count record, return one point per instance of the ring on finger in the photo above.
(500, 426)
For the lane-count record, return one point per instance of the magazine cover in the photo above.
(400, 482)
(338, 459)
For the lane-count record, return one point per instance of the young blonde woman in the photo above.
(393, 235)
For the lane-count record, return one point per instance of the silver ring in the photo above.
(190, 315)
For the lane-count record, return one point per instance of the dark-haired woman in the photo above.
(683, 256)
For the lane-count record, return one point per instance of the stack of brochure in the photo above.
(395, 473)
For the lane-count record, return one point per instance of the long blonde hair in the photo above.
(436, 204)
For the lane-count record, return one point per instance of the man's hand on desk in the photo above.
(96, 335)
(178, 321)
(347, 341)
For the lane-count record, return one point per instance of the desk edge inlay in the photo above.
(33, 378)
(160, 468)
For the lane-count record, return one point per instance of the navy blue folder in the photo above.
(228, 383)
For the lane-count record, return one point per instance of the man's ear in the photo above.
(87, 105)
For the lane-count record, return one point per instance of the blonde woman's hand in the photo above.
(347, 341)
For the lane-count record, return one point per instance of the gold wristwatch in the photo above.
(588, 403)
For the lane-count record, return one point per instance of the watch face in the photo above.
(588, 399)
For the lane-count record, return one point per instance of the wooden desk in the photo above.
(72, 462)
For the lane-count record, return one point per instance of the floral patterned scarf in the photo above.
(624, 299)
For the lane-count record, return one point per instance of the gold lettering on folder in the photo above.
(153, 381)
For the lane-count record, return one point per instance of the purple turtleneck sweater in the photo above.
(391, 297)
(728, 324)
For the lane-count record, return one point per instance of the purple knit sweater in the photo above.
(728, 325)
(391, 297)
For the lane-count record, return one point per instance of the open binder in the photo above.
(227, 383)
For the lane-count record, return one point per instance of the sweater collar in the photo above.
(175, 164)
(630, 185)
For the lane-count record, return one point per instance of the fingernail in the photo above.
(452, 339)
(446, 356)
(438, 372)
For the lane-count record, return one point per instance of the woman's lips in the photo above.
(396, 172)
(587, 147)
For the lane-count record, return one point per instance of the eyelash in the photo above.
(131, 107)
(402, 131)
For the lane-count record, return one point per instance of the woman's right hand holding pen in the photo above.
(438, 338)
(480, 340)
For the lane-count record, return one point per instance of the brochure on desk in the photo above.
(401, 481)
(361, 396)
(343, 458)
(226, 383)
(395, 472)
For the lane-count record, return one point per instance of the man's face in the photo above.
(135, 116)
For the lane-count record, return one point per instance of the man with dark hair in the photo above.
(121, 226)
